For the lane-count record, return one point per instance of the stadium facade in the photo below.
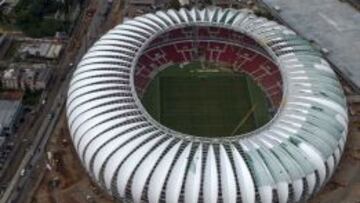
(137, 159)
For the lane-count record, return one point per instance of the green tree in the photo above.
(4, 19)
(175, 4)
(32, 17)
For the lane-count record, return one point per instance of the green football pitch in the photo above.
(209, 102)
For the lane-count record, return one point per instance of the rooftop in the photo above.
(8, 109)
(43, 74)
(46, 50)
(10, 73)
(332, 25)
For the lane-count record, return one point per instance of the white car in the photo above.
(22, 172)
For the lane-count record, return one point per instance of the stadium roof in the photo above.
(134, 157)
(332, 24)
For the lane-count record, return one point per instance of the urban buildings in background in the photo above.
(31, 47)
(34, 78)
(29, 61)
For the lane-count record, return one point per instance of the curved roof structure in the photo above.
(135, 158)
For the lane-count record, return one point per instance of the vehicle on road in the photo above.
(22, 172)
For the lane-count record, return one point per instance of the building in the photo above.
(137, 159)
(10, 111)
(20, 77)
(10, 79)
(42, 50)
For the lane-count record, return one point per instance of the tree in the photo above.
(4, 19)
(32, 17)
(175, 4)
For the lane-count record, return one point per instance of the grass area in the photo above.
(206, 102)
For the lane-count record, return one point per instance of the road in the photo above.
(18, 185)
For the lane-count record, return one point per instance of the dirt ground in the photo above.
(64, 179)
(67, 181)
(344, 186)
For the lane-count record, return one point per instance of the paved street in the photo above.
(29, 153)
(27, 167)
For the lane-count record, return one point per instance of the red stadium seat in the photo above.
(241, 58)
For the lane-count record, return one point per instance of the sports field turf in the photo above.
(208, 102)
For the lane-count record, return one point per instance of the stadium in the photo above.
(134, 94)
